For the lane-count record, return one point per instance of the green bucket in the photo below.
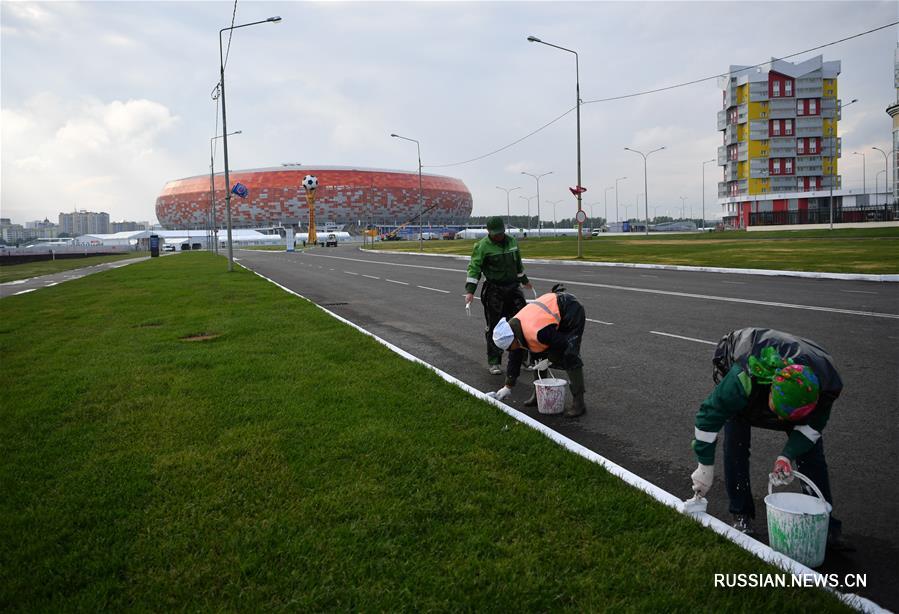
(797, 523)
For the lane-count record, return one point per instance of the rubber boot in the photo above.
(576, 376)
(532, 400)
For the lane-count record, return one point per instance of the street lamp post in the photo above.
(703, 190)
(683, 207)
(507, 191)
(886, 172)
(420, 195)
(528, 198)
(537, 178)
(577, 83)
(617, 219)
(864, 172)
(225, 131)
(645, 181)
(606, 198)
(554, 203)
(215, 228)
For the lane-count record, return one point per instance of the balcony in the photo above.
(779, 108)
(722, 120)
(742, 113)
(722, 155)
(758, 91)
(730, 135)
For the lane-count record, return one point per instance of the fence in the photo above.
(883, 213)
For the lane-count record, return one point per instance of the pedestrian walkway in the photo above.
(24, 286)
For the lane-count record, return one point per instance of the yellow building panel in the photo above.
(758, 110)
(829, 166)
(742, 170)
(830, 88)
(829, 127)
(759, 186)
(758, 149)
(743, 132)
(743, 93)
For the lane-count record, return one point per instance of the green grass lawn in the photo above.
(177, 437)
(45, 267)
(873, 250)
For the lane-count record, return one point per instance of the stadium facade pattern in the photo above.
(346, 195)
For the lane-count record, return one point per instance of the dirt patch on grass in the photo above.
(148, 325)
(200, 337)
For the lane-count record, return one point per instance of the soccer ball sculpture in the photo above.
(310, 182)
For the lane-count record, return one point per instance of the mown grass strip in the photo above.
(874, 251)
(12, 272)
(177, 437)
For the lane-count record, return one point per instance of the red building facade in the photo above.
(346, 195)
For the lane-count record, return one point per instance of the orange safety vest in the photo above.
(537, 315)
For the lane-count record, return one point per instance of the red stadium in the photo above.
(346, 195)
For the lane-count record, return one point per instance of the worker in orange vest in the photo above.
(550, 328)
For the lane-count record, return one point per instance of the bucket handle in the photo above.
(804, 479)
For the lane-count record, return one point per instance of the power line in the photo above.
(546, 125)
(743, 69)
(230, 33)
(661, 89)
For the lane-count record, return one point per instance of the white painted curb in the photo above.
(747, 543)
(677, 267)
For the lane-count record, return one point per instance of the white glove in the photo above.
(783, 472)
(500, 394)
(703, 478)
(541, 365)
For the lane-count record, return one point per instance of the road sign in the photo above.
(581, 216)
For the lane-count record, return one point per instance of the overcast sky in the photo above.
(104, 102)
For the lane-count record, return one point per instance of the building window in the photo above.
(788, 170)
(799, 108)
(788, 88)
(775, 128)
(775, 166)
(776, 88)
(813, 106)
(800, 146)
(788, 127)
(801, 184)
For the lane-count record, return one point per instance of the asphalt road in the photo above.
(23, 286)
(647, 349)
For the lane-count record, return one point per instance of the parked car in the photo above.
(168, 247)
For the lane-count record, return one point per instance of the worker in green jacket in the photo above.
(498, 259)
(771, 380)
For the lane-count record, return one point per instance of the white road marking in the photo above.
(371, 277)
(51, 284)
(708, 297)
(736, 283)
(858, 292)
(350, 273)
(599, 322)
(393, 281)
(330, 269)
(655, 332)
(648, 275)
(16, 282)
(25, 291)
(434, 289)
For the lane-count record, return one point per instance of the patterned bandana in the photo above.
(794, 392)
(764, 368)
(794, 388)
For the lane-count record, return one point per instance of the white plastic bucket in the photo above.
(550, 395)
(797, 523)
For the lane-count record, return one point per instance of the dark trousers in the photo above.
(737, 440)
(499, 301)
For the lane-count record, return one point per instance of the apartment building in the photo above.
(780, 148)
(83, 222)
